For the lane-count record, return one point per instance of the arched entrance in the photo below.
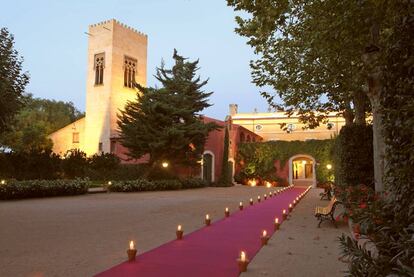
(207, 167)
(302, 170)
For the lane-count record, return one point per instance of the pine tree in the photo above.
(165, 123)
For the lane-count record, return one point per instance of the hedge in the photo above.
(42, 188)
(157, 185)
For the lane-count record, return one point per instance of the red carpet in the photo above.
(213, 250)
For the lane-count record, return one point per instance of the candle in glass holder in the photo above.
(132, 252)
(242, 262)
(265, 196)
(277, 225)
(251, 201)
(227, 212)
(284, 214)
(290, 208)
(270, 194)
(208, 220)
(264, 238)
(258, 198)
(241, 206)
(179, 232)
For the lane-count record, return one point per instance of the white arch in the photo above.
(213, 159)
(313, 168)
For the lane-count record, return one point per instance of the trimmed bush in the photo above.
(353, 154)
(42, 188)
(156, 185)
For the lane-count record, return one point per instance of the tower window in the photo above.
(130, 69)
(100, 148)
(99, 65)
(75, 137)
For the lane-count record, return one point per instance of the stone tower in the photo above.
(117, 57)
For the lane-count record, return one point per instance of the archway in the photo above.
(207, 167)
(302, 170)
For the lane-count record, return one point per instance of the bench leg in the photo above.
(334, 221)
(320, 221)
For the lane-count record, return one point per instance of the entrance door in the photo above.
(208, 168)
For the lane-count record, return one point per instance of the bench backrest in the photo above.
(331, 203)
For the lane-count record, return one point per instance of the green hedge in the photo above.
(353, 155)
(156, 185)
(42, 188)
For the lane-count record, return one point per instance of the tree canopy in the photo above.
(13, 80)
(166, 122)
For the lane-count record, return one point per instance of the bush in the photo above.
(156, 185)
(353, 154)
(42, 188)
(75, 163)
(103, 165)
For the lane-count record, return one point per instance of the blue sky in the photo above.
(50, 36)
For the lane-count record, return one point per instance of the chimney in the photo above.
(233, 109)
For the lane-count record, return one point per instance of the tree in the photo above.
(313, 51)
(12, 80)
(35, 121)
(225, 178)
(165, 123)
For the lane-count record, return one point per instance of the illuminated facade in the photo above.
(117, 57)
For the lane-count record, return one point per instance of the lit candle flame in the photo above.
(258, 197)
(243, 256)
(227, 210)
(265, 195)
(284, 211)
(290, 205)
(276, 220)
(251, 200)
(179, 228)
(241, 204)
(207, 216)
(131, 245)
(264, 233)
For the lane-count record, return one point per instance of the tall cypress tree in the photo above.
(225, 178)
(166, 123)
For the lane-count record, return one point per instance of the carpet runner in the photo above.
(212, 250)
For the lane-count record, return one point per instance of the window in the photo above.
(100, 147)
(75, 137)
(259, 127)
(130, 69)
(99, 65)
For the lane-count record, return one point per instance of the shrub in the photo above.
(155, 185)
(353, 154)
(75, 163)
(14, 189)
(103, 165)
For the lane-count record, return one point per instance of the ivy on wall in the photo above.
(258, 159)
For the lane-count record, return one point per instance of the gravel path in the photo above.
(84, 235)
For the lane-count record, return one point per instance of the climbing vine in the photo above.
(257, 160)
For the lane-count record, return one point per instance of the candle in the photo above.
(265, 196)
(226, 212)
(243, 262)
(208, 220)
(276, 223)
(251, 201)
(264, 233)
(290, 208)
(241, 206)
(284, 215)
(265, 238)
(258, 198)
(132, 252)
(179, 232)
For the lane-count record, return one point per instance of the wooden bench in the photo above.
(327, 213)
(328, 191)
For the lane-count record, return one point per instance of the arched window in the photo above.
(130, 68)
(99, 65)
(242, 138)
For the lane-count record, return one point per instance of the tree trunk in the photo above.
(374, 92)
(348, 116)
(359, 98)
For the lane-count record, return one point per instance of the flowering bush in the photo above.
(42, 188)
(145, 185)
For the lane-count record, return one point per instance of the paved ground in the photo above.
(83, 235)
(300, 248)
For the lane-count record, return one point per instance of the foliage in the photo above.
(145, 185)
(388, 222)
(30, 165)
(35, 121)
(104, 165)
(74, 163)
(42, 188)
(225, 177)
(165, 122)
(353, 155)
(12, 80)
(257, 160)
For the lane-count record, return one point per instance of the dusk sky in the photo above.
(50, 36)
